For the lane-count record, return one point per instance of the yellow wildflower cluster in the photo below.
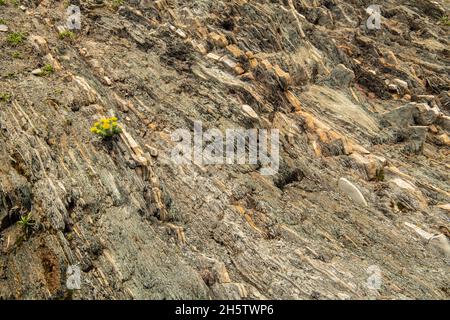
(106, 128)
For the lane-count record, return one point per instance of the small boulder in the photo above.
(341, 76)
(235, 51)
(406, 195)
(218, 40)
(390, 58)
(443, 122)
(283, 77)
(437, 241)
(39, 43)
(443, 139)
(417, 136)
(400, 83)
(425, 115)
(402, 116)
(370, 167)
(411, 114)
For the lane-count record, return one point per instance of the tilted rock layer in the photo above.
(364, 148)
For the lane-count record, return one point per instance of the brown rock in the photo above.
(235, 51)
(218, 40)
(283, 77)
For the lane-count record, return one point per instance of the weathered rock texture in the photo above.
(142, 227)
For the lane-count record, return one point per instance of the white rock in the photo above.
(228, 62)
(393, 87)
(404, 184)
(426, 236)
(36, 72)
(3, 28)
(181, 33)
(213, 56)
(401, 83)
(83, 51)
(444, 207)
(249, 110)
(61, 29)
(438, 241)
(107, 81)
(352, 191)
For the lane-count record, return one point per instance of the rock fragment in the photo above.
(406, 195)
(411, 114)
(402, 116)
(341, 76)
(36, 72)
(417, 136)
(390, 58)
(235, 51)
(352, 191)
(370, 167)
(443, 122)
(39, 43)
(402, 84)
(438, 241)
(218, 40)
(249, 111)
(283, 77)
(426, 115)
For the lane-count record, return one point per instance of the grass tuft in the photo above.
(15, 38)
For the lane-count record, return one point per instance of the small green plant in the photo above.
(117, 3)
(26, 223)
(106, 128)
(379, 176)
(16, 55)
(2, 21)
(2, 2)
(445, 20)
(9, 75)
(15, 38)
(15, 3)
(5, 97)
(66, 34)
(47, 69)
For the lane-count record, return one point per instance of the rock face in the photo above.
(368, 105)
